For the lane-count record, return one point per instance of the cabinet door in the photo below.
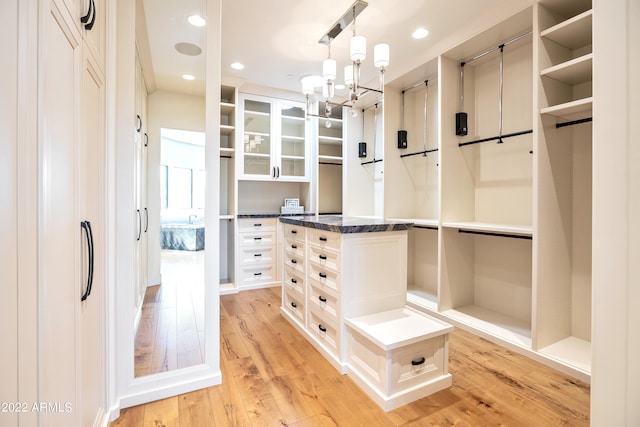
(94, 29)
(59, 232)
(293, 150)
(92, 324)
(257, 139)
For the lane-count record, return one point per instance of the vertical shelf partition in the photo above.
(563, 251)
(228, 96)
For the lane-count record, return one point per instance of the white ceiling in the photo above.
(277, 40)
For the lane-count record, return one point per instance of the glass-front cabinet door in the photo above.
(293, 146)
(275, 143)
(257, 138)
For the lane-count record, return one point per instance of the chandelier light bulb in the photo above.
(327, 124)
(348, 75)
(358, 48)
(329, 69)
(381, 55)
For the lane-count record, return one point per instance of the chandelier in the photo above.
(358, 53)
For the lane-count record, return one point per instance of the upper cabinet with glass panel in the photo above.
(275, 142)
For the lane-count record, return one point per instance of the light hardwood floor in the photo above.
(273, 377)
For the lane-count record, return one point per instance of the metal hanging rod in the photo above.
(421, 82)
(425, 227)
(418, 153)
(495, 138)
(372, 161)
(330, 163)
(574, 122)
(226, 157)
(501, 45)
(486, 233)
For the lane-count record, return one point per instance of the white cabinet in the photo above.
(71, 230)
(256, 253)
(273, 140)
(330, 135)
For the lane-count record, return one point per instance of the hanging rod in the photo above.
(486, 233)
(419, 152)
(421, 82)
(330, 163)
(501, 45)
(426, 227)
(573, 122)
(226, 157)
(371, 161)
(493, 138)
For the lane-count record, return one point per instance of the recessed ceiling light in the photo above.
(237, 66)
(420, 33)
(188, 77)
(197, 21)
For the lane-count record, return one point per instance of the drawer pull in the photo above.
(418, 362)
(293, 280)
(257, 238)
(322, 299)
(322, 257)
(294, 305)
(294, 231)
(257, 254)
(322, 275)
(294, 246)
(323, 239)
(257, 225)
(322, 328)
(257, 274)
(293, 261)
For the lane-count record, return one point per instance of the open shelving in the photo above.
(330, 160)
(228, 96)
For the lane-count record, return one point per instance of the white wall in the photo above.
(166, 110)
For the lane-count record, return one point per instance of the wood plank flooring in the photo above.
(273, 377)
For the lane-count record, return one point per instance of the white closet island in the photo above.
(344, 288)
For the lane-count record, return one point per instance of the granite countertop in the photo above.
(268, 214)
(345, 224)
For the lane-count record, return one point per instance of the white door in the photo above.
(59, 231)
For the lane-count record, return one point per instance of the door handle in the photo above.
(139, 128)
(146, 219)
(86, 226)
(90, 18)
(139, 224)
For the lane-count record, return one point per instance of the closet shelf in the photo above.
(516, 230)
(575, 71)
(490, 322)
(572, 351)
(322, 158)
(570, 110)
(226, 129)
(572, 33)
(227, 108)
(420, 298)
(226, 217)
(329, 139)
(425, 222)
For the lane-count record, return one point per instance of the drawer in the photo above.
(325, 303)
(418, 363)
(295, 306)
(257, 255)
(293, 279)
(324, 239)
(295, 262)
(294, 247)
(324, 332)
(256, 238)
(324, 259)
(256, 224)
(256, 275)
(323, 278)
(294, 232)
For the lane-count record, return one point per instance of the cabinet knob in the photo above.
(322, 275)
(322, 257)
(294, 246)
(322, 328)
(293, 261)
(257, 254)
(257, 238)
(322, 239)
(293, 280)
(257, 274)
(294, 305)
(294, 231)
(322, 299)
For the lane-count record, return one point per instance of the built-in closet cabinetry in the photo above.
(70, 232)
(228, 96)
(141, 143)
(502, 236)
(275, 140)
(330, 136)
